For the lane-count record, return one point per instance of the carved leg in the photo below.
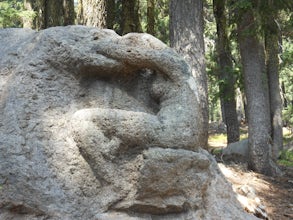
(133, 128)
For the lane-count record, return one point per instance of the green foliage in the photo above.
(287, 56)
(12, 13)
(211, 64)
(242, 5)
(9, 14)
(118, 20)
(286, 158)
(213, 86)
(161, 19)
(286, 76)
(217, 152)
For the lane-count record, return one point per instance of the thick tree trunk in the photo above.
(53, 13)
(130, 16)
(272, 49)
(256, 89)
(186, 36)
(227, 88)
(49, 13)
(151, 17)
(92, 13)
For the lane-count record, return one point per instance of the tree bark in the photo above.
(186, 36)
(151, 17)
(110, 7)
(53, 13)
(49, 13)
(130, 16)
(68, 12)
(92, 13)
(225, 75)
(257, 94)
(272, 49)
(38, 7)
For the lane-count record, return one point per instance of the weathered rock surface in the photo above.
(237, 151)
(98, 126)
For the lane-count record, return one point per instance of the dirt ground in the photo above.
(276, 194)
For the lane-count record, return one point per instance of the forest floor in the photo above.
(275, 193)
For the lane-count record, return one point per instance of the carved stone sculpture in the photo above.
(98, 126)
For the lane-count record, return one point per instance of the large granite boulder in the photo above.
(98, 126)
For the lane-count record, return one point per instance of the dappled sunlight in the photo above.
(274, 193)
(217, 140)
(288, 137)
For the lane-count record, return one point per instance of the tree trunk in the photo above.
(226, 76)
(272, 49)
(79, 14)
(92, 13)
(53, 13)
(257, 94)
(186, 36)
(68, 11)
(49, 13)
(38, 22)
(151, 17)
(110, 7)
(130, 16)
